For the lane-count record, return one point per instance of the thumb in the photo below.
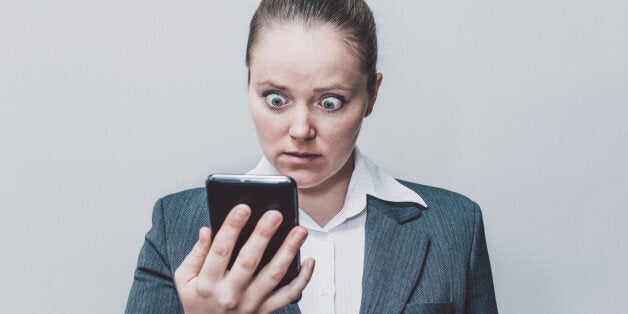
(193, 262)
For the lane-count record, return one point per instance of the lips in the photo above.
(301, 157)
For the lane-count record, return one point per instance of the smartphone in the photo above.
(260, 193)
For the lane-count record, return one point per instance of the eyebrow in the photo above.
(340, 87)
(316, 90)
(279, 87)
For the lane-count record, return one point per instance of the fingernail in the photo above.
(241, 213)
(272, 218)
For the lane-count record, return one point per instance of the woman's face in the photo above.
(308, 98)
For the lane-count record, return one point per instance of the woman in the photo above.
(380, 245)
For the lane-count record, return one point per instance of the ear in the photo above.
(378, 81)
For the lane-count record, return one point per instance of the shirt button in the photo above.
(324, 236)
(324, 292)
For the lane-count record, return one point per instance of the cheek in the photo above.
(344, 132)
(266, 127)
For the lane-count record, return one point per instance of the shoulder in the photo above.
(185, 199)
(184, 210)
(183, 207)
(187, 203)
(440, 198)
(451, 211)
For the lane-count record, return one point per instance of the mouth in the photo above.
(302, 157)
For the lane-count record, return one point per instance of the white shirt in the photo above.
(338, 247)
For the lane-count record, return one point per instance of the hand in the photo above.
(206, 286)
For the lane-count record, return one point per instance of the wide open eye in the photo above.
(275, 100)
(331, 103)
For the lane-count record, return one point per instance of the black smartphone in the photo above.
(261, 193)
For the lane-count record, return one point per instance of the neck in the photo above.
(325, 200)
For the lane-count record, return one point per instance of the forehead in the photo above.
(291, 53)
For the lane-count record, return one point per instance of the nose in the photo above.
(301, 127)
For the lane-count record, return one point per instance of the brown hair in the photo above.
(353, 19)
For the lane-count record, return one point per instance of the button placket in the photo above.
(327, 289)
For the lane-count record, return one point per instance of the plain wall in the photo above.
(105, 106)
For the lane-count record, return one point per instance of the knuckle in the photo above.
(198, 249)
(228, 302)
(220, 249)
(237, 218)
(265, 232)
(276, 273)
(204, 289)
(248, 262)
(293, 248)
(293, 293)
(233, 223)
(197, 252)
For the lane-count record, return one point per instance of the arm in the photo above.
(480, 291)
(153, 289)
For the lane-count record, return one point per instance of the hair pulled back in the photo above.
(352, 18)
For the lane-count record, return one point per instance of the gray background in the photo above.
(108, 105)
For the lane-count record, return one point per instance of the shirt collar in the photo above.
(366, 179)
(379, 184)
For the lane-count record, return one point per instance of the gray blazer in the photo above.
(416, 259)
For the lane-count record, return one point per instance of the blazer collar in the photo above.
(393, 256)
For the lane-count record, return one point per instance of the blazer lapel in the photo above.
(393, 257)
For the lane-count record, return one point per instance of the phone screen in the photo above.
(261, 193)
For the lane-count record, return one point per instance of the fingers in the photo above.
(193, 262)
(292, 291)
(274, 272)
(253, 250)
(220, 250)
(202, 278)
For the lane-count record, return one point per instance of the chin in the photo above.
(305, 179)
(306, 184)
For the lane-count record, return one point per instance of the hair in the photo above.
(352, 18)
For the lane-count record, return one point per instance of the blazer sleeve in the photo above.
(153, 289)
(480, 292)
